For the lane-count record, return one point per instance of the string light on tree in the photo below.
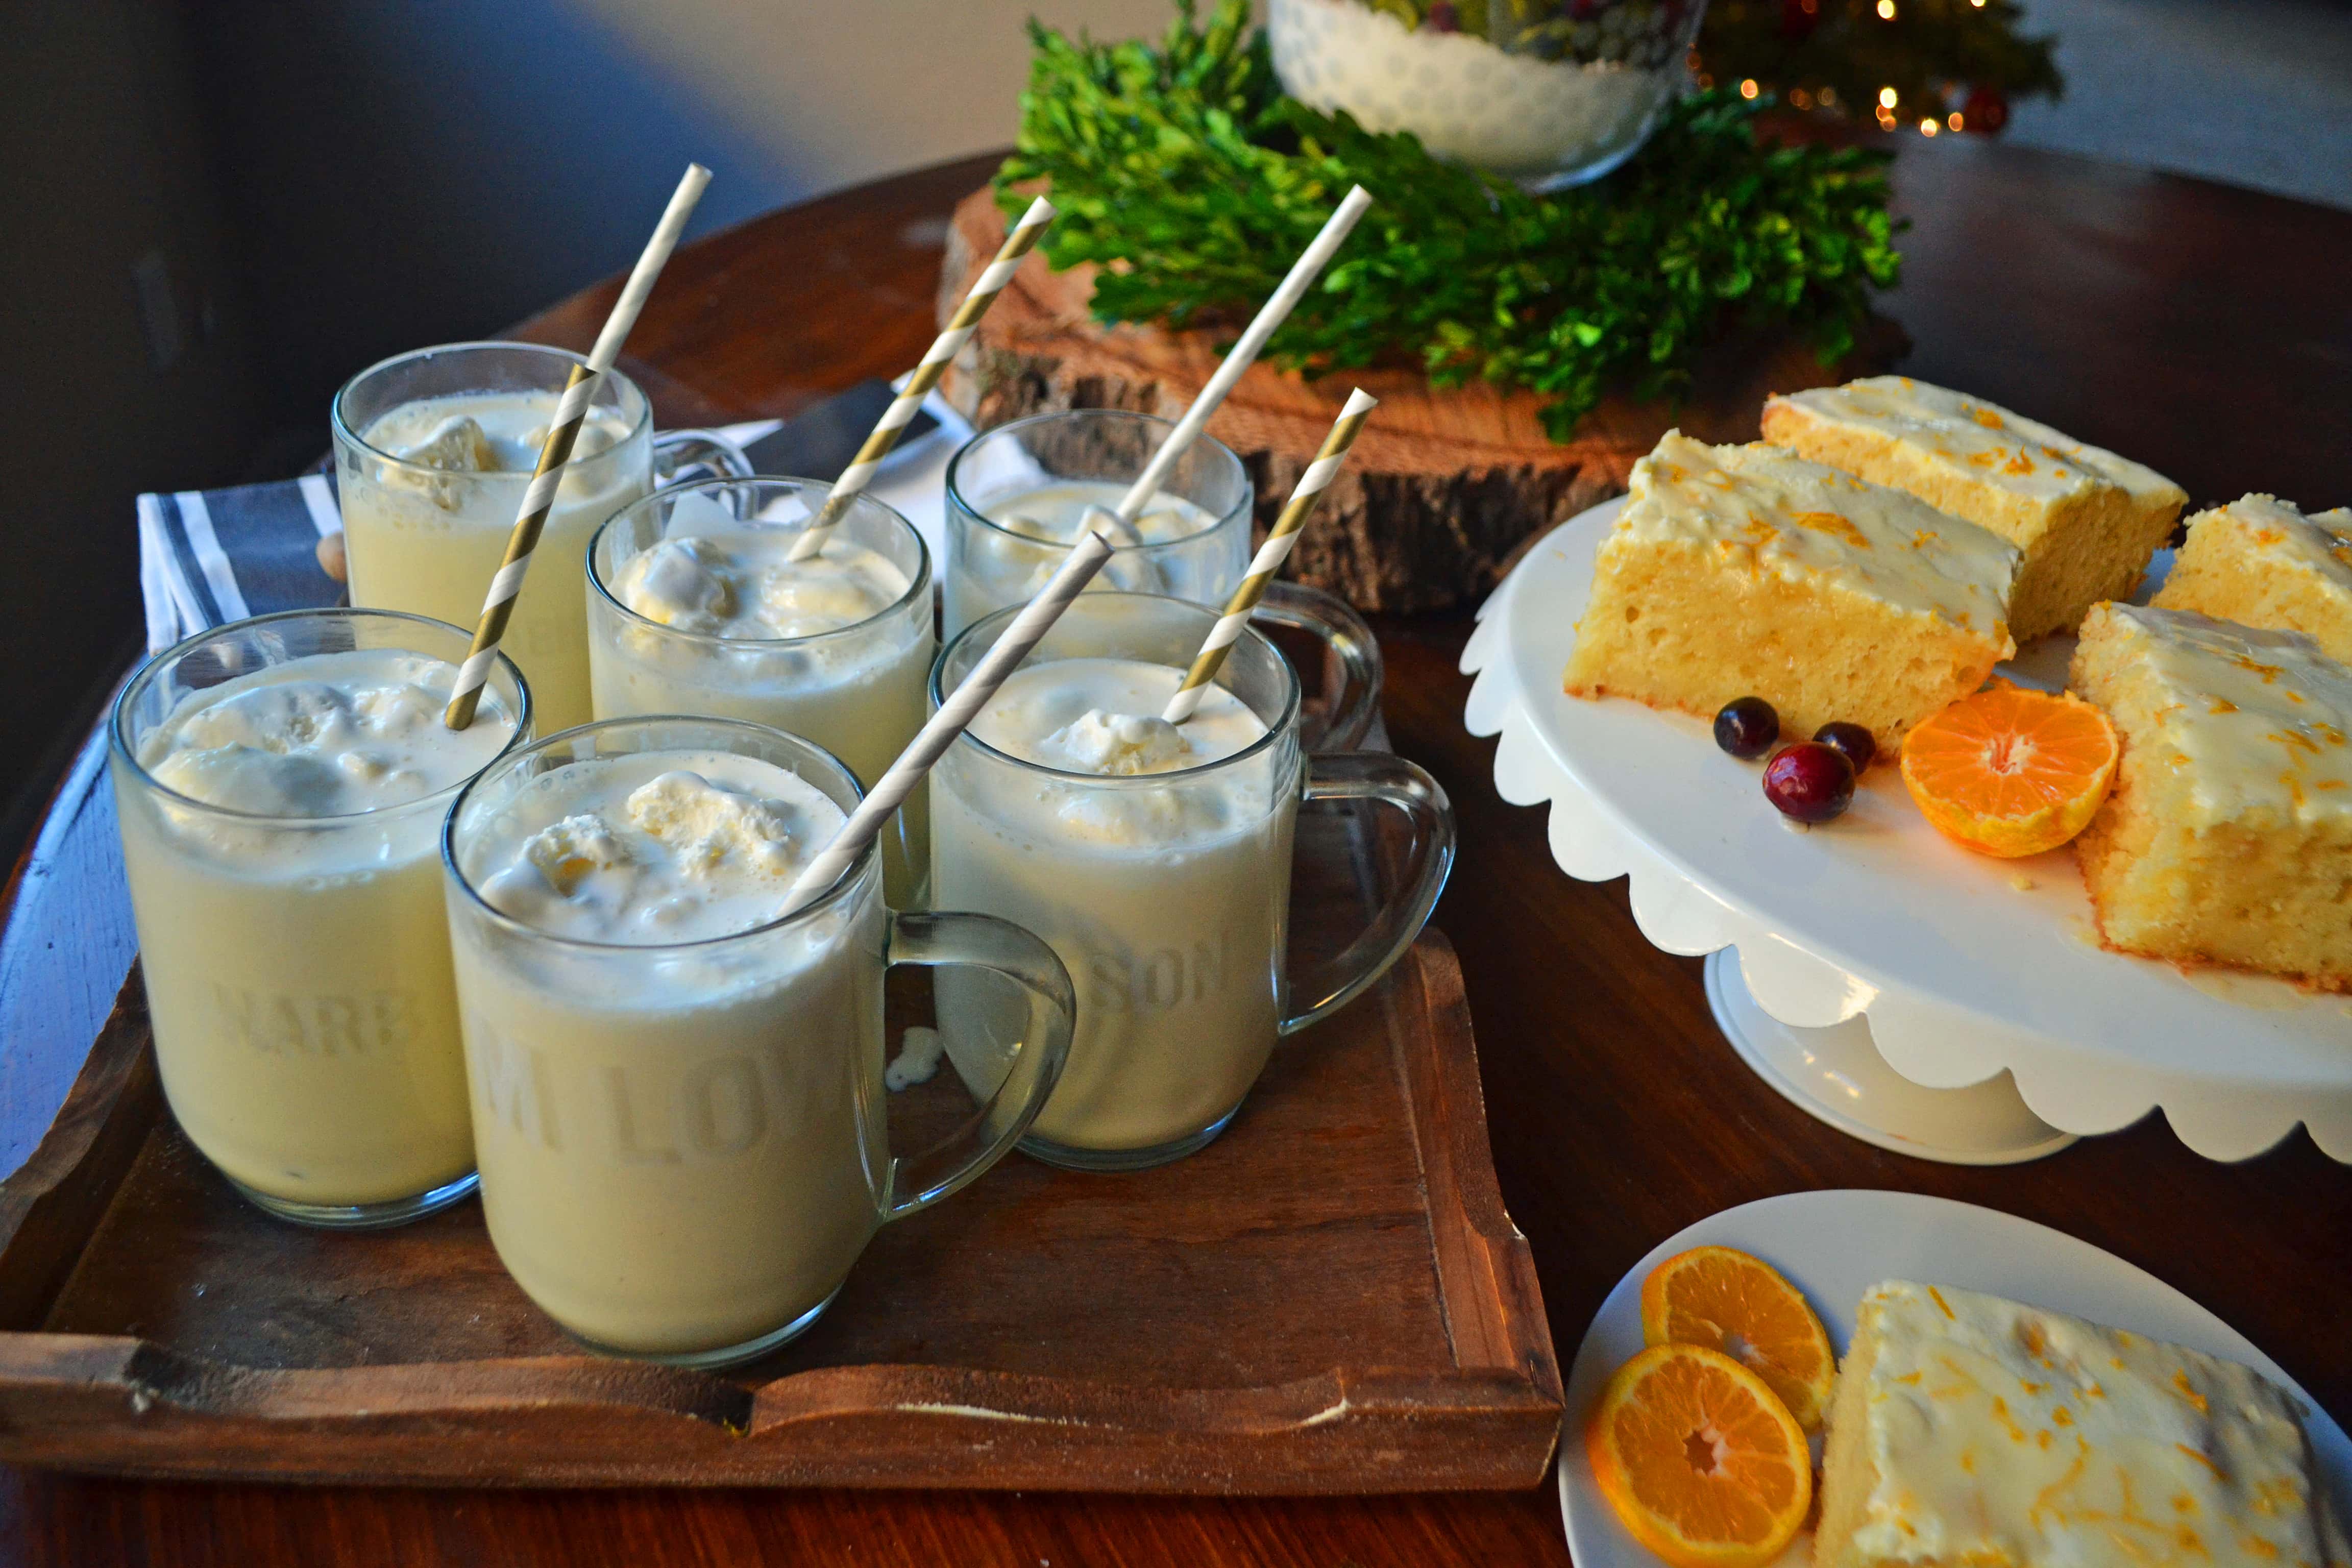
(1833, 58)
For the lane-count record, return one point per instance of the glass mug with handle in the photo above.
(1156, 861)
(677, 1096)
(433, 450)
(280, 783)
(1018, 495)
(695, 606)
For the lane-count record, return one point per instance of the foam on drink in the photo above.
(1040, 523)
(654, 848)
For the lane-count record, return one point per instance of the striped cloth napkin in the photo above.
(209, 557)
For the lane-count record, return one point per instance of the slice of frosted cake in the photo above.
(2086, 519)
(2229, 836)
(1744, 571)
(1972, 1432)
(2261, 563)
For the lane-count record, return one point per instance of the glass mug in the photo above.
(857, 692)
(297, 967)
(1166, 895)
(1094, 454)
(427, 539)
(1044, 470)
(684, 1146)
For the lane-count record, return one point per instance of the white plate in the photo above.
(1963, 973)
(1833, 1246)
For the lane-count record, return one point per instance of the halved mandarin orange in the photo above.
(1700, 1459)
(2010, 771)
(1728, 1300)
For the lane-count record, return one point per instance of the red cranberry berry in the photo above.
(1852, 739)
(1747, 728)
(1809, 781)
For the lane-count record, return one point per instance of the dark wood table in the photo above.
(2204, 329)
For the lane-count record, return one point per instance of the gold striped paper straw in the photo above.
(944, 348)
(498, 605)
(970, 695)
(1270, 556)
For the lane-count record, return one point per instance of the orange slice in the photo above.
(2010, 771)
(1699, 1458)
(1728, 1301)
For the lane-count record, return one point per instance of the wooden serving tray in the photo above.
(1329, 1298)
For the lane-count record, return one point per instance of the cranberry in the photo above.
(1747, 728)
(1852, 739)
(1809, 781)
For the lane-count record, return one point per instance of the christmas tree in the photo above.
(1926, 65)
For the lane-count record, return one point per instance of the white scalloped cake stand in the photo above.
(1874, 942)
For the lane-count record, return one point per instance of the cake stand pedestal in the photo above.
(1922, 999)
(1838, 1075)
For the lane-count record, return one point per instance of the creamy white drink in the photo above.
(679, 1136)
(427, 510)
(1039, 525)
(1161, 880)
(280, 831)
(721, 622)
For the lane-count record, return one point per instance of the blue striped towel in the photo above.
(209, 557)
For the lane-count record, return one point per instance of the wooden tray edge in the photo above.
(52, 1202)
(121, 1407)
(125, 1405)
(1487, 1273)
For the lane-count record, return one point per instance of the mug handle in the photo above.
(983, 942)
(1351, 654)
(1390, 780)
(682, 455)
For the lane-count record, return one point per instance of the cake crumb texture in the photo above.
(2228, 837)
(2086, 520)
(2260, 562)
(1745, 570)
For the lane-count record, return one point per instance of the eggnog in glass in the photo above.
(677, 1089)
(1156, 860)
(695, 606)
(432, 452)
(280, 785)
(1019, 495)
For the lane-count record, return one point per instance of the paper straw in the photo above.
(944, 348)
(1238, 359)
(1270, 556)
(929, 746)
(498, 605)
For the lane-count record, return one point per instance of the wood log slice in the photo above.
(1445, 485)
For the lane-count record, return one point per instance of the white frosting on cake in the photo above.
(2001, 1434)
(1980, 439)
(2320, 542)
(1803, 519)
(2258, 720)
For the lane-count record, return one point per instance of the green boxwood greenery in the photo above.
(1185, 170)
